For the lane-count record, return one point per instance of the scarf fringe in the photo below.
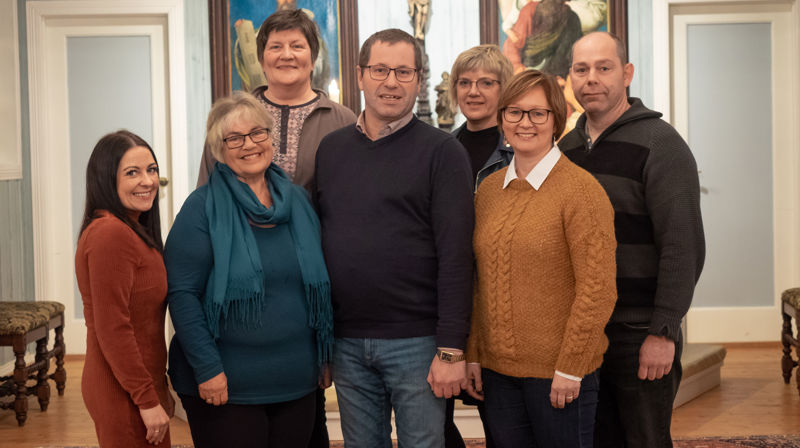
(320, 318)
(243, 308)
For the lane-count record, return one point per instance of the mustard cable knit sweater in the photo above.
(546, 274)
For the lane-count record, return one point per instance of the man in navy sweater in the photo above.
(394, 197)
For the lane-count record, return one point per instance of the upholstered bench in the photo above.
(702, 365)
(20, 324)
(790, 309)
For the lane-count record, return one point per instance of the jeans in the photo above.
(634, 413)
(519, 413)
(374, 376)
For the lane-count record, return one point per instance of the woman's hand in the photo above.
(215, 390)
(156, 421)
(474, 382)
(563, 391)
(324, 379)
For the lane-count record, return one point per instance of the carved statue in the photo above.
(444, 106)
(418, 10)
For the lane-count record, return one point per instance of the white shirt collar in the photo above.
(539, 172)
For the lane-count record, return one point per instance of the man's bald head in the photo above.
(622, 52)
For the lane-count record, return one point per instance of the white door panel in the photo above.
(95, 67)
(730, 79)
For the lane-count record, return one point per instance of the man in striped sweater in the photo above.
(651, 178)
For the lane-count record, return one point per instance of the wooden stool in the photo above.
(20, 324)
(790, 309)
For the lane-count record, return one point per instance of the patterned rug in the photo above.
(705, 442)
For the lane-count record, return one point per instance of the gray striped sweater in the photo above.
(650, 175)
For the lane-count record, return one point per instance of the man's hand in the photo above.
(474, 381)
(563, 391)
(447, 379)
(215, 390)
(655, 357)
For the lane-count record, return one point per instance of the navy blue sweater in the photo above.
(397, 220)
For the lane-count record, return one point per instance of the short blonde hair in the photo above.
(486, 57)
(225, 111)
(522, 83)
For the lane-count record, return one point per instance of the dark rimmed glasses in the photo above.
(381, 72)
(237, 141)
(536, 116)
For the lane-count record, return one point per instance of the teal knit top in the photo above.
(272, 363)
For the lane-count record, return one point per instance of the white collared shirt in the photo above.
(539, 172)
(388, 129)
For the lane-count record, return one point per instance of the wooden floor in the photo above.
(752, 400)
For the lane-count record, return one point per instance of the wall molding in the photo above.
(760, 323)
(11, 149)
(52, 242)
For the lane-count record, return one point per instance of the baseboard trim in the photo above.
(734, 324)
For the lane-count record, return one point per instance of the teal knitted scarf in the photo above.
(235, 288)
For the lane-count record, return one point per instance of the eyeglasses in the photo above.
(381, 72)
(536, 116)
(237, 141)
(483, 84)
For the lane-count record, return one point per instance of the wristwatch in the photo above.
(450, 357)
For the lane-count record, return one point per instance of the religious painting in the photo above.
(235, 25)
(539, 34)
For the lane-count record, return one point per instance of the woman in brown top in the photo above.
(544, 249)
(123, 283)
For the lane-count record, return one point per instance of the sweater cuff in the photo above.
(667, 326)
(451, 340)
(472, 350)
(148, 400)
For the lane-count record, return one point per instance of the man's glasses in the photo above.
(483, 84)
(536, 116)
(381, 72)
(237, 141)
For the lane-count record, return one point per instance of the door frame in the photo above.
(758, 323)
(52, 241)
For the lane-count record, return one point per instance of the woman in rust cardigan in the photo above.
(123, 283)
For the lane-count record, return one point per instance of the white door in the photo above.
(96, 67)
(735, 100)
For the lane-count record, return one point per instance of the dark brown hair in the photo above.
(294, 19)
(101, 187)
(390, 36)
(522, 83)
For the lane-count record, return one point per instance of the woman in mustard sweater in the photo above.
(544, 247)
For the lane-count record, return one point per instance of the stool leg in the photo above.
(60, 375)
(21, 401)
(42, 386)
(797, 352)
(787, 363)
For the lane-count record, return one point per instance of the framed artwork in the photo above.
(499, 16)
(234, 60)
(540, 33)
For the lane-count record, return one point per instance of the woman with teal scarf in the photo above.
(249, 294)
